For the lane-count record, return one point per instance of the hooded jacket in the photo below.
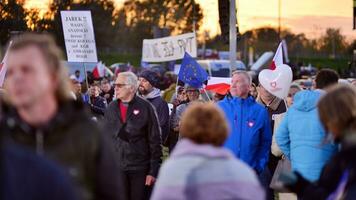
(203, 171)
(250, 131)
(301, 134)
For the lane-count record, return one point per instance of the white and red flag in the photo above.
(99, 70)
(219, 85)
(278, 57)
(3, 67)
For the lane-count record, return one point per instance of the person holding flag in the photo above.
(194, 76)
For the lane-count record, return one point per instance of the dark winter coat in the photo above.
(163, 115)
(74, 141)
(137, 141)
(110, 95)
(98, 105)
(24, 175)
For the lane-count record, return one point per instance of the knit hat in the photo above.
(151, 77)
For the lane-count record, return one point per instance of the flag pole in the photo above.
(86, 81)
(206, 93)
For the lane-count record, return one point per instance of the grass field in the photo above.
(135, 60)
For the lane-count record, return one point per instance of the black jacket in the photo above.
(137, 141)
(75, 142)
(163, 115)
(98, 105)
(109, 95)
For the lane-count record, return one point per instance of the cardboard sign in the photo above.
(79, 36)
(169, 48)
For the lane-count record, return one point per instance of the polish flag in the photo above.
(3, 68)
(99, 70)
(278, 57)
(218, 85)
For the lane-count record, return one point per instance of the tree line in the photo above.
(122, 30)
(119, 30)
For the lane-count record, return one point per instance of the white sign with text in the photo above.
(169, 48)
(79, 36)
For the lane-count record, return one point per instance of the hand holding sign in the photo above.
(277, 81)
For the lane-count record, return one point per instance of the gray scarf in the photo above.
(153, 94)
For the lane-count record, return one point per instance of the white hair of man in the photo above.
(130, 78)
(245, 73)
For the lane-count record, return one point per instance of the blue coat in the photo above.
(300, 136)
(250, 131)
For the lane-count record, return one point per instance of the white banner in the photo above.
(79, 36)
(169, 48)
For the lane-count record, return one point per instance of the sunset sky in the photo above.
(311, 17)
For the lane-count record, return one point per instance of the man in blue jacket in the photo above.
(250, 130)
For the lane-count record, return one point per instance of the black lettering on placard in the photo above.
(171, 47)
(184, 43)
(155, 50)
(189, 43)
(72, 19)
(181, 45)
(168, 49)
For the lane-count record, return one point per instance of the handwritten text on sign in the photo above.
(79, 36)
(169, 48)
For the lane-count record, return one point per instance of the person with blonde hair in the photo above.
(42, 116)
(337, 111)
(199, 167)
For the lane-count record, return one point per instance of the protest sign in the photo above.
(169, 48)
(79, 36)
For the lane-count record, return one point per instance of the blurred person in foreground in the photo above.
(250, 128)
(337, 111)
(200, 168)
(42, 117)
(147, 89)
(133, 125)
(23, 175)
(300, 135)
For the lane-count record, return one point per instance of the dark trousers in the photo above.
(133, 183)
(265, 178)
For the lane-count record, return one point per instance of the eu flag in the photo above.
(191, 72)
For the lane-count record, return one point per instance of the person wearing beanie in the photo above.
(148, 83)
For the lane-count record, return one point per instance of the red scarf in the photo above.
(123, 111)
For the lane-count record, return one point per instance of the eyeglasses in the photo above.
(120, 85)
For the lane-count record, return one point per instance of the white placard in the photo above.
(169, 48)
(79, 36)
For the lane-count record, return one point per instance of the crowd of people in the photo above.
(62, 140)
